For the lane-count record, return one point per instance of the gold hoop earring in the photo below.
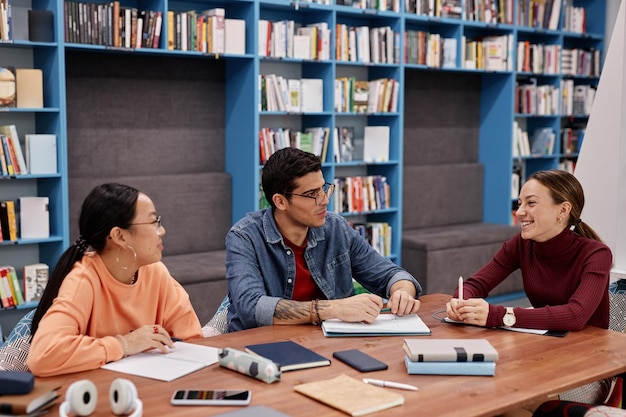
(117, 258)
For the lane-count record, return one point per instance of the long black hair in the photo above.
(105, 207)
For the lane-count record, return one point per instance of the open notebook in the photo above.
(384, 325)
(184, 359)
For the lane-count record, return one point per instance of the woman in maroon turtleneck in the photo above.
(564, 264)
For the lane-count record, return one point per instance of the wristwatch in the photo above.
(509, 317)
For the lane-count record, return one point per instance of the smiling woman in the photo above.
(116, 299)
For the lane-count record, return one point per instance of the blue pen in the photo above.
(176, 339)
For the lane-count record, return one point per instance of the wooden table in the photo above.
(530, 368)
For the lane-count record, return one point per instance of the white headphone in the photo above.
(81, 398)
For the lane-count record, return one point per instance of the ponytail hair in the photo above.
(105, 207)
(564, 187)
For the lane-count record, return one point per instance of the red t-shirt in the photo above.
(304, 288)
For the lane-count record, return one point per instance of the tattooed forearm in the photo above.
(293, 310)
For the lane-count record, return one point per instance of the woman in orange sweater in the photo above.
(117, 300)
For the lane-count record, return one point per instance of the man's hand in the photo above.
(358, 308)
(402, 300)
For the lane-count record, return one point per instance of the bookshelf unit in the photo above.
(19, 52)
(244, 118)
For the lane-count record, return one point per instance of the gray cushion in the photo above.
(459, 235)
(196, 208)
(441, 195)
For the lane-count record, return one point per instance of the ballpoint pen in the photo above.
(389, 384)
(385, 310)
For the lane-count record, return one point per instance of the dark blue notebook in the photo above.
(289, 355)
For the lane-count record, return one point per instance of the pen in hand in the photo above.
(389, 384)
(460, 288)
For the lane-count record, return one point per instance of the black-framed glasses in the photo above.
(327, 191)
(158, 222)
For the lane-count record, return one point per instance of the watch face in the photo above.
(509, 319)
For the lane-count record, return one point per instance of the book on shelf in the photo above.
(383, 325)
(235, 36)
(376, 144)
(43, 395)
(449, 350)
(543, 141)
(7, 300)
(29, 87)
(288, 355)
(295, 102)
(8, 220)
(350, 395)
(312, 94)
(14, 148)
(182, 360)
(7, 86)
(35, 281)
(41, 153)
(346, 143)
(361, 96)
(14, 284)
(217, 29)
(34, 217)
(450, 368)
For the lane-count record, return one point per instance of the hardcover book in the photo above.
(450, 368)
(35, 281)
(41, 397)
(352, 396)
(34, 217)
(289, 355)
(449, 350)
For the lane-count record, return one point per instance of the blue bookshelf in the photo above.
(244, 117)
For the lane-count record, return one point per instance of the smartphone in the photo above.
(211, 397)
(360, 360)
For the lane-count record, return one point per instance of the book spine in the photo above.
(450, 368)
(19, 297)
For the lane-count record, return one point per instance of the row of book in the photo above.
(291, 39)
(314, 140)
(372, 147)
(377, 45)
(39, 155)
(25, 218)
(491, 53)
(35, 279)
(543, 14)
(576, 99)
(360, 194)
(291, 95)
(538, 58)
(430, 49)
(581, 62)
(377, 234)
(542, 142)
(575, 19)
(531, 98)
(111, 24)
(21, 87)
(359, 96)
(489, 11)
(450, 356)
(391, 5)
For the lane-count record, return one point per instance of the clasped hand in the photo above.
(472, 311)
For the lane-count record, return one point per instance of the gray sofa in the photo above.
(443, 234)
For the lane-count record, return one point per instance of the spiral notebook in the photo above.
(184, 359)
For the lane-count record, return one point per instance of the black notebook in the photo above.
(289, 355)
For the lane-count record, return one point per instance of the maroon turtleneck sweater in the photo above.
(566, 279)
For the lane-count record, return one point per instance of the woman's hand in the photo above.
(148, 337)
(472, 311)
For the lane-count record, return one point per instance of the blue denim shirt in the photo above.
(261, 269)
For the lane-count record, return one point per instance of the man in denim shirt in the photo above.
(293, 263)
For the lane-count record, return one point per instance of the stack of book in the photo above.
(450, 356)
